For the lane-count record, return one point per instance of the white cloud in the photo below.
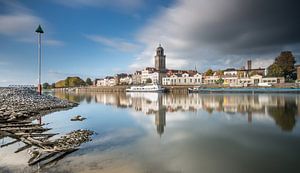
(115, 43)
(120, 4)
(212, 34)
(19, 23)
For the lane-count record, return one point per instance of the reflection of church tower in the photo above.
(160, 62)
(160, 117)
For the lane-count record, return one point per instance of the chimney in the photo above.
(249, 64)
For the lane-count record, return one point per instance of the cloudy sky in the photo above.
(95, 38)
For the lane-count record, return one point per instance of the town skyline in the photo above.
(123, 38)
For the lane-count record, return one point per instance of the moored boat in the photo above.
(146, 88)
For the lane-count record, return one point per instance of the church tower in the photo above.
(160, 59)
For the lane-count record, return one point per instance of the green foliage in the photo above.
(252, 73)
(219, 72)
(275, 70)
(46, 85)
(284, 116)
(53, 85)
(148, 80)
(60, 84)
(220, 81)
(284, 66)
(70, 82)
(88, 81)
(209, 72)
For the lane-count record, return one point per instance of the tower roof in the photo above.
(159, 47)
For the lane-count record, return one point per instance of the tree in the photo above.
(46, 85)
(219, 72)
(209, 72)
(220, 81)
(275, 70)
(53, 85)
(88, 81)
(284, 66)
(70, 82)
(148, 80)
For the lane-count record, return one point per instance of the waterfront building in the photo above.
(160, 59)
(211, 79)
(160, 63)
(107, 81)
(137, 78)
(150, 75)
(183, 79)
(124, 79)
(298, 72)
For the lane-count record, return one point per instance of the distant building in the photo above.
(298, 72)
(183, 79)
(107, 81)
(137, 78)
(160, 59)
(150, 75)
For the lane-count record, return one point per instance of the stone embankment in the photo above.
(23, 103)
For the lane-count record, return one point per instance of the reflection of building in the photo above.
(280, 108)
(160, 117)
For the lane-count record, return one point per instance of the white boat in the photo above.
(146, 88)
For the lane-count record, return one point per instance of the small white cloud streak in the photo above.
(115, 43)
(119, 4)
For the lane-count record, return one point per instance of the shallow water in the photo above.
(150, 132)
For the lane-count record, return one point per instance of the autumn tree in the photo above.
(209, 72)
(283, 66)
(275, 70)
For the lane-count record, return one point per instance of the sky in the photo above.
(96, 38)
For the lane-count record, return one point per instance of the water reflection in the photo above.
(282, 108)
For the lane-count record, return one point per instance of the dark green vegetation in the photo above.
(69, 82)
(283, 66)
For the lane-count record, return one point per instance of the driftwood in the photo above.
(45, 150)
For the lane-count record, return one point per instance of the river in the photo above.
(171, 133)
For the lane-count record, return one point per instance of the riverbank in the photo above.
(24, 103)
(18, 108)
(184, 89)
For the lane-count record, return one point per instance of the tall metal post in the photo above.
(39, 30)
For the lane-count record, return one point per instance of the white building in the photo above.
(211, 79)
(183, 79)
(126, 80)
(149, 75)
(107, 81)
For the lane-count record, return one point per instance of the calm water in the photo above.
(153, 133)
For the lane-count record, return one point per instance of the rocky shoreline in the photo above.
(18, 108)
(25, 103)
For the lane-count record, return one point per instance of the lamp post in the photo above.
(39, 31)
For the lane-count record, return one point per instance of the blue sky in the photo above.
(95, 38)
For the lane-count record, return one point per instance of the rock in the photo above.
(78, 118)
(24, 102)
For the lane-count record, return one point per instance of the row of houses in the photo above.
(231, 77)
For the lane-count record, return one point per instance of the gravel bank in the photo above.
(24, 103)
